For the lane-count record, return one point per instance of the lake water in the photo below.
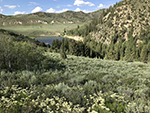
(48, 40)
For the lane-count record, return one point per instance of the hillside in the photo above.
(20, 38)
(121, 32)
(47, 18)
(78, 85)
(120, 19)
(124, 16)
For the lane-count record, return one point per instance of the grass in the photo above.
(37, 30)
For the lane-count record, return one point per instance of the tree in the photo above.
(122, 51)
(81, 48)
(87, 51)
(111, 50)
(66, 44)
(73, 47)
(62, 51)
(53, 44)
(128, 53)
(133, 53)
(117, 52)
(144, 54)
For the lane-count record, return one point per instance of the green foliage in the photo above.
(83, 85)
(63, 55)
(61, 87)
(20, 55)
(62, 51)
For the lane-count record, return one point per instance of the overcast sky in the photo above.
(14, 7)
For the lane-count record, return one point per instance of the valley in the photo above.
(41, 30)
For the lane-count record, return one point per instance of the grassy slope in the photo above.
(37, 30)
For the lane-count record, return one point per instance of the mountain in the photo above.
(121, 32)
(118, 20)
(47, 18)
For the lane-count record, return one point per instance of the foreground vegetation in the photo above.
(33, 80)
(77, 84)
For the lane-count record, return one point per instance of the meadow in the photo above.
(77, 85)
(40, 29)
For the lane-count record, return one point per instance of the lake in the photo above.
(48, 40)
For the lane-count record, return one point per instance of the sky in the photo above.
(15, 7)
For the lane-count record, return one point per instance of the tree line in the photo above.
(118, 49)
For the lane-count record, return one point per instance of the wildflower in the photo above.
(93, 111)
(107, 109)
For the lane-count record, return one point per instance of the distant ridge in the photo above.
(47, 18)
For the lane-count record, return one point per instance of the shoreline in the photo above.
(77, 38)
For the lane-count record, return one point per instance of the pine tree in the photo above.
(53, 44)
(111, 50)
(138, 51)
(133, 53)
(117, 52)
(62, 51)
(87, 51)
(144, 54)
(81, 48)
(122, 51)
(127, 53)
(73, 47)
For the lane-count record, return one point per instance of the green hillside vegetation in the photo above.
(77, 85)
(124, 28)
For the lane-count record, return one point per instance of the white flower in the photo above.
(93, 111)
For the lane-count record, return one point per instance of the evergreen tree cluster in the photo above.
(118, 49)
(72, 47)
